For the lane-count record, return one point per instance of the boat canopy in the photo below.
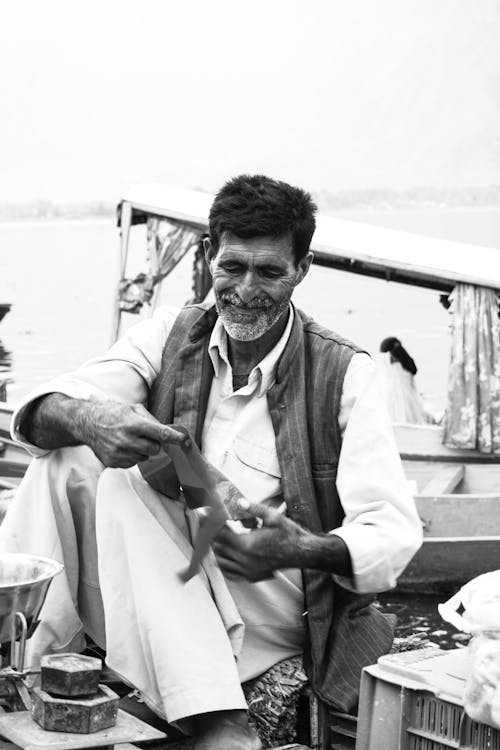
(467, 275)
(339, 243)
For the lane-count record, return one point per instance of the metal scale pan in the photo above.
(24, 581)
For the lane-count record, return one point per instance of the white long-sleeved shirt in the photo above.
(381, 527)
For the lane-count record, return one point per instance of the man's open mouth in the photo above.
(244, 310)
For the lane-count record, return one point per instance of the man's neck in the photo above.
(244, 355)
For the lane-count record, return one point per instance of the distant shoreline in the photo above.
(328, 201)
(60, 221)
(28, 212)
(339, 212)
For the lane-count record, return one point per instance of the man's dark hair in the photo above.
(258, 206)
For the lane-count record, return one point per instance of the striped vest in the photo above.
(345, 632)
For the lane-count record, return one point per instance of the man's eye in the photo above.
(232, 268)
(270, 273)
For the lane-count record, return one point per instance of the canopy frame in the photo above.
(344, 245)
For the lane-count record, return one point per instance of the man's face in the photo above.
(253, 281)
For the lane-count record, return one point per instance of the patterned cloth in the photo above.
(472, 417)
(273, 699)
(168, 243)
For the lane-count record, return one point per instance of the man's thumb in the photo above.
(269, 516)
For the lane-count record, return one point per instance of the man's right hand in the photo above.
(120, 434)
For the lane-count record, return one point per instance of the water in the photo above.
(58, 277)
(419, 616)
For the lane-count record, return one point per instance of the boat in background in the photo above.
(459, 505)
(422, 442)
(14, 459)
(4, 309)
(457, 491)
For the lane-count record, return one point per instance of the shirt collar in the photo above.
(264, 373)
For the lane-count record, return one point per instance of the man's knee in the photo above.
(69, 471)
(62, 463)
(79, 462)
(61, 478)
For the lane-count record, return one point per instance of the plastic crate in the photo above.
(413, 701)
(328, 729)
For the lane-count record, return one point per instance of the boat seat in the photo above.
(445, 481)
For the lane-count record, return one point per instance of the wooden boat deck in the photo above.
(13, 459)
(459, 506)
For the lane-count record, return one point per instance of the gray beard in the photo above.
(250, 327)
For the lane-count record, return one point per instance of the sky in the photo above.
(97, 95)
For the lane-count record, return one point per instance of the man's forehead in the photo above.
(273, 248)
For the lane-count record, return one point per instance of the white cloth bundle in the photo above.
(480, 599)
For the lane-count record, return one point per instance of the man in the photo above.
(289, 412)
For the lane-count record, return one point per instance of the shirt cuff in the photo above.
(372, 573)
(65, 386)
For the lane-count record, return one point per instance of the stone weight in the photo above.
(79, 715)
(70, 675)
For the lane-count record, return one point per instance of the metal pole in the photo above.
(125, 222)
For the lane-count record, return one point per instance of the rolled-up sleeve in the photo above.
(125, 373)
(381, 527)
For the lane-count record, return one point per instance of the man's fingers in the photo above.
(229, 549)
(146, 447)
(269, 516)
(229, 542)
(223, 534)
(170, 435)
(161, 433)
(229, 567)
(123, 461)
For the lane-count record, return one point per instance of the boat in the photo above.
(457, 493)
(13, 458)
(456, 490)
(459, 505)
(4, 309)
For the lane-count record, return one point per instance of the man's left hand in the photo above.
(258, 553)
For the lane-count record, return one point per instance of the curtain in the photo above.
(167, 243)
(202, 279)
(472, 418)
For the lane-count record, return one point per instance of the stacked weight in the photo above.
(70, 697)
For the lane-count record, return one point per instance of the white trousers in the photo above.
(122, 548)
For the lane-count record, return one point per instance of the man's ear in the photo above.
(303, 266)
(209, 249)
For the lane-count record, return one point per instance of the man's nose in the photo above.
(247, 287)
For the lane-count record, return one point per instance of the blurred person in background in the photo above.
(398, 370)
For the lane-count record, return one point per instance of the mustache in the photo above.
(257, 303)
